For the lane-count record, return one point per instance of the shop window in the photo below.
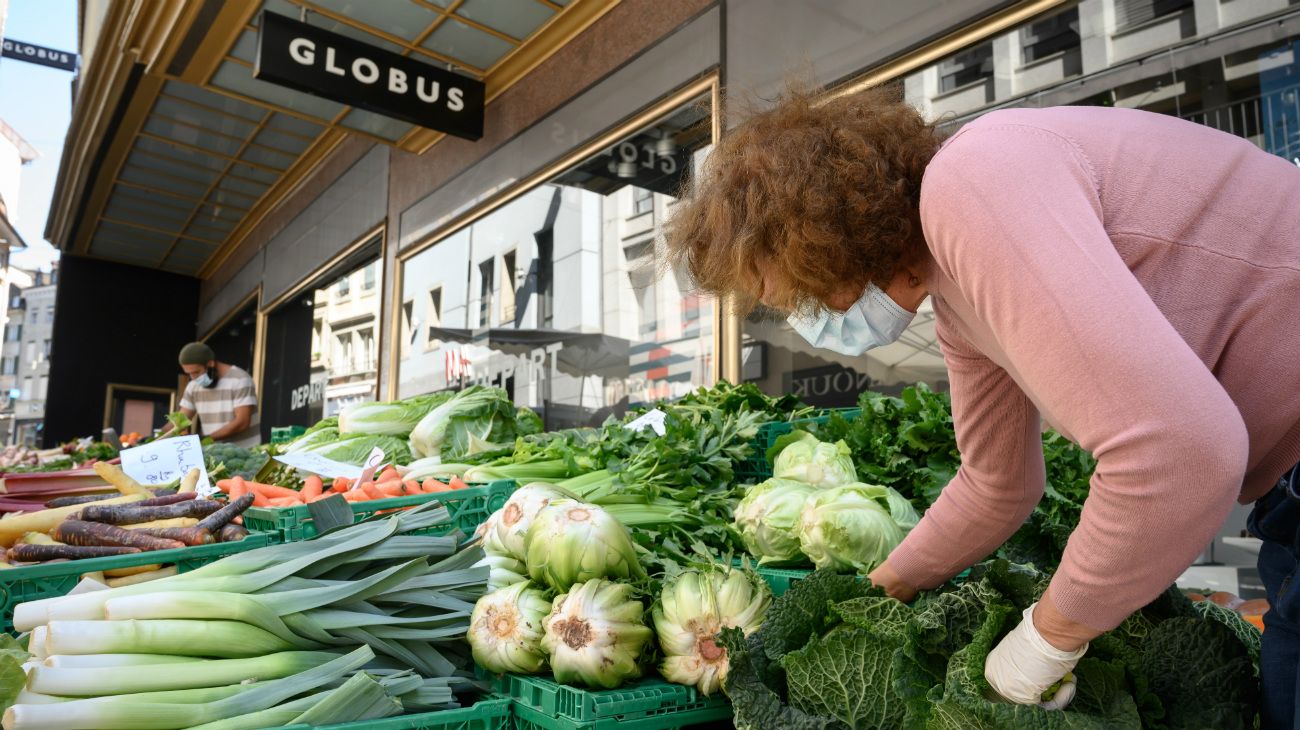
(367, 350)
(508, 284)
(581, 331)
(486, 269)
(408, 328)
(435, 315)
(643, 201)
(966, 68)
(368, 280)
(1132, 13)
(1050, 36)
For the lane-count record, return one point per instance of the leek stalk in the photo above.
(92, 681)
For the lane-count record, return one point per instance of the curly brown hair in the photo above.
(826, 193)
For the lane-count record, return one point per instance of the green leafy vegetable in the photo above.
(395, 418)
(803, 458)
(824, 659)
(476, 420)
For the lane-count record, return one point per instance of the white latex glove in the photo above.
(1023, 666)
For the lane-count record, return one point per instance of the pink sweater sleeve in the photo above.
(1013, 217)
(1000, 479)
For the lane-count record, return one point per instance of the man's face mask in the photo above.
(209, 377)
(873, 320)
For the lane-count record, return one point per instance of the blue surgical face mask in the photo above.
(872, 321)
(204, 380)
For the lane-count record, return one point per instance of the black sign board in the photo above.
(830, 386)
(304, 57)
(33, 53)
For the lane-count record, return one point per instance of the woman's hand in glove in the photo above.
(1024, 665)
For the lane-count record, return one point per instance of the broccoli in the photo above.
(237, 461)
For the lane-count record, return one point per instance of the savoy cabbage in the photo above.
(834, 653)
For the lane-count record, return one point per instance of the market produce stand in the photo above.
(718, 540)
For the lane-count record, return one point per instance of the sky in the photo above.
(37, 102)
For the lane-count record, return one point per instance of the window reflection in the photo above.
(555, 296)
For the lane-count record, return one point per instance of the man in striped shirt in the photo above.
(221, 395)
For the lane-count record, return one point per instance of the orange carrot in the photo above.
(357, 495)
(271, 490)
(457, 483)
(284, 501)
(312, 486)
(238, 488)
(372, 490)
(261, 500)
(410, 486)
(429, 484)
(321, 496)
(341, 484)
(1256, 621)
(439, 487)
(390, 488)
(226, 485)
(388, 474)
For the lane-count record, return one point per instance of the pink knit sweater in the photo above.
(1134, 280)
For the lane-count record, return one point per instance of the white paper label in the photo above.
(373, 463)
(166, 460)
(651, 419)
(317, 464)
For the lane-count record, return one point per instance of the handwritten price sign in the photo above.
(167, 460)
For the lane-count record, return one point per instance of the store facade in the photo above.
(345, 254)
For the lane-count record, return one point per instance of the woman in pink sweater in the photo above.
(1130, 278)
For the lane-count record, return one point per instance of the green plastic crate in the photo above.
(781, 579)
(19, 585)
(488, 714)
(468, 507)
(285, 434)
(756, 468)
(649, 704)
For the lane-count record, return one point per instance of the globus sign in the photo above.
(310, 59)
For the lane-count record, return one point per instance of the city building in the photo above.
(33, 369)
(15, 153)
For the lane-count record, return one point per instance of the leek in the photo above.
(80, 661)
(94, 714)
(225, 639)
(91, 681)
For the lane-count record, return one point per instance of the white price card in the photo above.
(373, 462)
(166, 460)
(317, 464)
(650, 419)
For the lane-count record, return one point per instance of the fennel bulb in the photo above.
(595, 635)
(505, 630)
(693, 608)
(572, 542)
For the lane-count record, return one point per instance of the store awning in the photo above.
(175, 151)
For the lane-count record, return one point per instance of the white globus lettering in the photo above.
(330, 66)
(303, 51)
(428, 96)
(397, 81)
(455, 99)
(365, 70)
